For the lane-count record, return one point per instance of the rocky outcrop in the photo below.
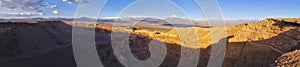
(33, 39)
(258, 44)
(42, 44)
(290, 59)
(253, 44)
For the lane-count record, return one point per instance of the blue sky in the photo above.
(231, 9)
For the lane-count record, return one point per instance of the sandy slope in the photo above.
(255, 44)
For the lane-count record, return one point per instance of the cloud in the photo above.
(56, 12)
(21, 14)
(65, 0)
(51, 6)
(81, 1)
(75, 1)
(28, 5)
(33, 6)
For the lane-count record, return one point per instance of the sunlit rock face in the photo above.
(290, 59)
(253, 44)
(250, 44)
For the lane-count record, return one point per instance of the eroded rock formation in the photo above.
(253, 44)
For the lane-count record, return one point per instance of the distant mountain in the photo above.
(251, 44)
(170, 21)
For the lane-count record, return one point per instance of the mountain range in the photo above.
(49, 42)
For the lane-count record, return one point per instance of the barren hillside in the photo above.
(28, 39)
(253, 44)
(290, 59)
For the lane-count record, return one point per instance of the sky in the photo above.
(231, 9)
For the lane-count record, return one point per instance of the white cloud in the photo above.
(25, 6)
(70, 2)
(20, 14)
(175, 16)
(51, 6)
(56, 12)
(32, 5)
(75, 1)
(20, 4)
(80, 1)
(65, 0)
